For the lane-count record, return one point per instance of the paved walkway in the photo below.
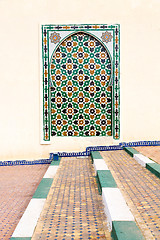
(152, 152)
(17, 185)
(73, 209)
(140, 188)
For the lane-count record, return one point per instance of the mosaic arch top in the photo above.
(81, 90)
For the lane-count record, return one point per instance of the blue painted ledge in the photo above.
(85, 153)
(24, 162)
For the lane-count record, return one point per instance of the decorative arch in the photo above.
(81, 94)
(81, 97)
(60, 41)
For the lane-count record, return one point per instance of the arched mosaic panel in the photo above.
(57, 116)
(80, 92)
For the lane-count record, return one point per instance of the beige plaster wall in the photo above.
(20, 22)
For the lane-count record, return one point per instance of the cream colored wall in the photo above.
(20, 22)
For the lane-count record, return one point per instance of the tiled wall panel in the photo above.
(81, 80)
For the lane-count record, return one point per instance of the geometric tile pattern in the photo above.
(73, 209)
(17, 185)
(54, 36)
(80, 93)
(140, 189)
(106, 37)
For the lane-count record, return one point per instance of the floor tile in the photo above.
(141, 190)
(17, 185)
(73, 209)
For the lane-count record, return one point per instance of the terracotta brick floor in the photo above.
(73, 209)
(152, 152)
(17, 185)
(140, 188)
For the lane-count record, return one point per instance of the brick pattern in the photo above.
(152, 152)
(73, 209)
(140, 189)
(17, 185)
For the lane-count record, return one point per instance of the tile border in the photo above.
(144, 161)
(66, 30)
(85, 153)
(107, 148)
(118, 232)
(154, 168)
(21, 238)
(130, 151)
(116, 209)
(23, 230)
(25, 162)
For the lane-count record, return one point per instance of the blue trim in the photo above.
(72, 154)
(85, 153)
(140, 143)
(104, 148)
(108, 148)
(24, 162)
(88, 151)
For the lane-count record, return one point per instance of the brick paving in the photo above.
(152, 152)
(141, 190)
(17, 185)
(73, 209)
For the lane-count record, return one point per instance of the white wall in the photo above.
(20, 22)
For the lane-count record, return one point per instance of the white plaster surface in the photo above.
(51, 171)
(99, 164)
(116, 208)
(20, 84)
(141, 159)
(27, 223)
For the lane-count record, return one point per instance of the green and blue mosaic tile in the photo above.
(81, 80)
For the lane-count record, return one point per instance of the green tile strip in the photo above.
(95, 155)
(55, 163)
(20, 238)
(126, 230)
(43, 188)
(99, 189)
(40, 193)
(121, 230)
(45, 184)
(130, 151)
(105, 179)
(154, 168)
